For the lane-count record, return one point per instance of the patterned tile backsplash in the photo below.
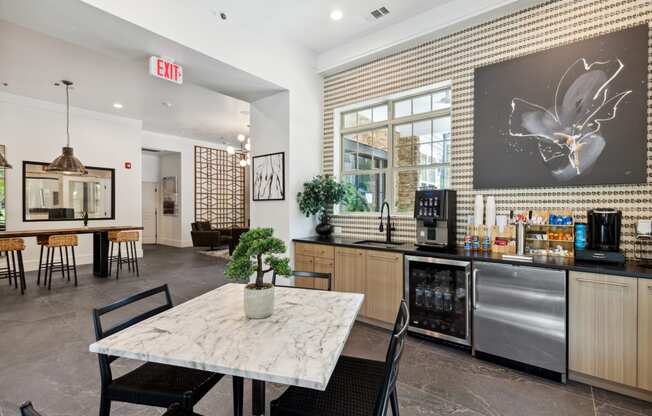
(453, 58)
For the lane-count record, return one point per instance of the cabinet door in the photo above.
(350, 272)
(384, 285)
(645, 334)
(304, 264)
(323, 266)
(603, 326)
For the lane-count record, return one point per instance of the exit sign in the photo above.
(165, 69)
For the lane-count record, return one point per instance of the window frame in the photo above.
(391, 171)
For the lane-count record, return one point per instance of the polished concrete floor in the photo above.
(44, 338)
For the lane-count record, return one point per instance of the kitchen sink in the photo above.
(378, 243)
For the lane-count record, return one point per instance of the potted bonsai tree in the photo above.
(256, 253)
(317, 196)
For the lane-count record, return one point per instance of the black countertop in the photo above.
(629, 269)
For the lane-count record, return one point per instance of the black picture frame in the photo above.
(256, 193)
(24, 190)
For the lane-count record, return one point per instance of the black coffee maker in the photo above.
(603, 229)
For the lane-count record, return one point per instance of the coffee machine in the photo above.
(603, 236)
(434, 211)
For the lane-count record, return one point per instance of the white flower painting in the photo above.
(572, 115)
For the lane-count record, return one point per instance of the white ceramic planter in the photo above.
(259, 303)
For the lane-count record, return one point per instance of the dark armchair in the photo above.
(203, 235)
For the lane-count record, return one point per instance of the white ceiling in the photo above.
(32, 62)
(81, 24)
(308, 21)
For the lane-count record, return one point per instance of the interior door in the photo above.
(150, 212)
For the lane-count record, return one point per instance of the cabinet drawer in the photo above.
(326, 252)
(386, 256)
(303, 249)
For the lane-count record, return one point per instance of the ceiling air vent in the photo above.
(381, 12)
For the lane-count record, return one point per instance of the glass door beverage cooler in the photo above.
(438, 292)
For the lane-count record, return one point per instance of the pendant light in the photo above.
(67, 163)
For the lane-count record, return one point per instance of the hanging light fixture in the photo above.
(67, 163)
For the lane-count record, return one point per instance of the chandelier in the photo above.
(245, 150)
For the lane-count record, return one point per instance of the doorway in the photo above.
(150, 212)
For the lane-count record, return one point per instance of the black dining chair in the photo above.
(312, 275)
(358, 387)
(152, 384)
(26, 409)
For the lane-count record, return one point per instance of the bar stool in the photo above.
(13, 247)
(129, 239)
(62, 242)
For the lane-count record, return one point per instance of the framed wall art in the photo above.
(572, 115)
(268, 177)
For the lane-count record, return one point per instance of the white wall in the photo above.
(270, 119)
(151, 168)
(34, 130)
(185, 179)
(264, 55)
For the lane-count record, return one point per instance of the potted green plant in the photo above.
(318, 195)
(256, 253)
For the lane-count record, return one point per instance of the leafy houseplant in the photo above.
(317, 196)
(256, 253)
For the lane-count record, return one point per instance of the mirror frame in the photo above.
(28, 162)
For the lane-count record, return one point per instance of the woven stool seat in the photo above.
(12, 244)
(124, 236)
(62, 241)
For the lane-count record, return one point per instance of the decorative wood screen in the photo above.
(219, 188)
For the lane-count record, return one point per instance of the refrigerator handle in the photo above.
(475, 278)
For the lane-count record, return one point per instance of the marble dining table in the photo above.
(298, 345)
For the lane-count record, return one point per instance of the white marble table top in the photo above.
(298, 345)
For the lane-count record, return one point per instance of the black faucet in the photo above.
(390, 227)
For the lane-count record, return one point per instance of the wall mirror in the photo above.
(49, 196)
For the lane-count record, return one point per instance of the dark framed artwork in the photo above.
(268, 177)
(572, 115)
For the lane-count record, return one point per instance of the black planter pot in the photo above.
(324, 229)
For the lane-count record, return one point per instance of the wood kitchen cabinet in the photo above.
(350, 273)
(645, 334)
(313, 258)
(376, 274)
(384, 284)
(603, 327)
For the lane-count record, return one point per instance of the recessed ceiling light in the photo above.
(241, 138)
(337, 14)
(117, 105)
(166, 104)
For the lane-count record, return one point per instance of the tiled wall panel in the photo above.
(454, 58)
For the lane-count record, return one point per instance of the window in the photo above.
(390, 150)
